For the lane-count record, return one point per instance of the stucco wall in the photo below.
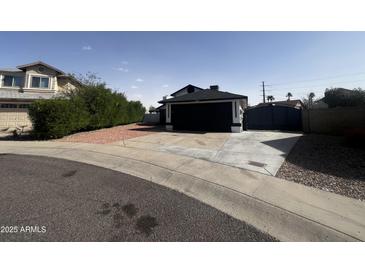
(333, 120)
(65, 85)
(10, 118)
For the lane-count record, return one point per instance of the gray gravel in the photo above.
(79, 202)
(328, 163)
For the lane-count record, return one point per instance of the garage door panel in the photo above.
(202, 117)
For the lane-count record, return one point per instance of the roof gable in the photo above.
(186, 87)
(23, 67)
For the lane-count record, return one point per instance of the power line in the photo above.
(322, 85)
(318, 79)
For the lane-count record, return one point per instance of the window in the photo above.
(12, 81)
(7, 105)
(23, 106)
(40, 82)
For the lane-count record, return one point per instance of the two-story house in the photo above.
(20, 86)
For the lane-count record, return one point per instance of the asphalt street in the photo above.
(47, 199)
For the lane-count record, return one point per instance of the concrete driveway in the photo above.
(261, 151)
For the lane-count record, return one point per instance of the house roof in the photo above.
(160, 107)
(68, 76)
(10, 69)
(22, 67)
(290, 103)
(16, 95)
(172, 94)
(204, 95)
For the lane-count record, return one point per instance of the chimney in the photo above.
(214, 88)
(164, 97)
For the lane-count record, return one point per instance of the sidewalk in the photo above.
(285, 210)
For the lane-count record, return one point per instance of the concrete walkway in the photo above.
(261, 151)
(285, 210)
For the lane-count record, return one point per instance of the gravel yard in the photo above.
(327, 163)
(110, 135)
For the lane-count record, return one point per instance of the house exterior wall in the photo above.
(14, 117)
(237, 112)
(34, 71)
(64, 85)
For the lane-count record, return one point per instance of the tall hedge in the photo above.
(90, 107)
(56, 118)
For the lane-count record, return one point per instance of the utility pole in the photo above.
(263, 91)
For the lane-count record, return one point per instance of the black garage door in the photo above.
(202, 117)
(274, 117)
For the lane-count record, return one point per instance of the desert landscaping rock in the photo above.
(328, 163)
(110, 135)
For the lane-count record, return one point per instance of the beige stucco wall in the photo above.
(333, 120)
(65, 85)
(12, 117)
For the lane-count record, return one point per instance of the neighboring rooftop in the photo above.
(22, 67)
(11, 95)
(290, 103)
(204, 95)
(10, 69)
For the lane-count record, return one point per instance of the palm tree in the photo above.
(310, 98)
(289, 95)
(270, 98)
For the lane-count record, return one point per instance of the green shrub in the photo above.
(90, 107)
(56, 118)
(340, 97)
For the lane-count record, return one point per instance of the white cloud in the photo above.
(123, 69)
(125, 62)
(87, 48)
(134, 87)
(165, 86)
(139, 80)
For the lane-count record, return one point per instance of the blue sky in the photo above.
(148, 65)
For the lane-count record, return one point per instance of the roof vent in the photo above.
(164, 97)
(214, 87)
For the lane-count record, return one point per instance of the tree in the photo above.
(335, 97)
(310, 98)
(289, 95)
(308, 101)
(270, 98)
(151, 109)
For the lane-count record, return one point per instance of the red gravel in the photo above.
(111, 135)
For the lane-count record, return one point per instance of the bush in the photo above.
(90, 107)
(56, 118)
(340, 97)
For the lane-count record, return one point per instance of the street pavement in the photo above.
(286, 210)
(48, 199)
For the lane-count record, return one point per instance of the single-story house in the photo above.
(197, 109)
(20, 86)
